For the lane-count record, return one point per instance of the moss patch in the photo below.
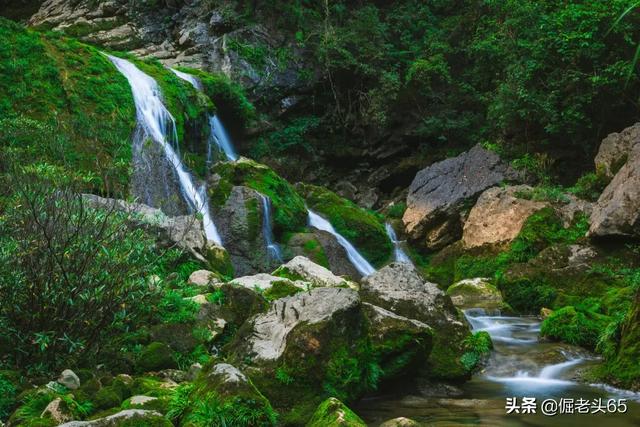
(333, 413)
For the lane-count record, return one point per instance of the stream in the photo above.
(521, 365)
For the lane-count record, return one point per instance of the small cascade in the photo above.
(273, 249)
(358, 261)
(219, 135)
(399, 254)
(156, 122)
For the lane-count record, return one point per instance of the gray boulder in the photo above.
(127, 417)
(617, 211)
(69, 379)
(615, 149)
(301, 268)
(439, 193)
(399, 288)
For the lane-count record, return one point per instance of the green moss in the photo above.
(281, 289)
(107, 397)
(289, 212)
(154, 357)
(362, 228)
(31, 404)
(574, 325)
(478, 347)
(284, 272)
(80, 107)
(314, 251)
(333, 413)
(528, 296)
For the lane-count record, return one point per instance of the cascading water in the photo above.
(273, 249)
(156, 122)
(399, 254)
(358, 261)
(219, 135)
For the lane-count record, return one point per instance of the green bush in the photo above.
(7, 397)
(526, 296)
(154, 357)
(477, 346)
(575, 325)
(590, 186)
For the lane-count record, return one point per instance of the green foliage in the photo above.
(348, 374)
(7, 397)
(574, 325)
(333, 413)
(478, 346)
(281, 289)
(174, 308)
(590, 186)
(396, 211)
(156, 356)
(526, 296)
(362, 228)
(291, 138)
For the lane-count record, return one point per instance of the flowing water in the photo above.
(521, 365)
(273, 249)
(219, 135)
(358, 261)
(399, 254)
(158, 125)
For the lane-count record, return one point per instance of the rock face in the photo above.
(472, 293)
(617, 212)
(127, 417)
(203, 278)
(304, 269)
(323, 248)
(615, 150)
(498, 216)
(263, 282)
(239, 221)
(399, 288)
(438, 194)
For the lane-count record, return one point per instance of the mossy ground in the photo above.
(362, 228)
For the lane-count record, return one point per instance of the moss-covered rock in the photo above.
(222, 395)
(154, 357)
(219, 261)
(574, 326)
(289, 212)
(362, 228)
(478, 292)
(333, 413)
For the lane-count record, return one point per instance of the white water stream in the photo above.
(157, 122)
(399, 254)
(358, 261)
(273, 249)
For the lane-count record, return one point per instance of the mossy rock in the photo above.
(222, 392)
(219, 261)
(307, 245)
(289, 212)
(107, 397)
(359, 226)
(334, 413)
(575, 326)
(281, 289)
(475, 293)
(154, 357)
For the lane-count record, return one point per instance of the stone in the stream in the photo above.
(334, 413)
(617, 212)
(400, 422)
(475, 293)
(399, 288)
(301, 268)
(69, 379)
(128, 417)
(615, 150)
(439, 193)
(498, 216)
(225, 387)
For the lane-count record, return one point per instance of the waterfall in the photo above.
(399, 254)
(273, 249)
(219, 135)
(358, 261)
(155, 121)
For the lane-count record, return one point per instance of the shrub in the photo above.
(575, 325)
(70, 275)
(526, 296)
(7, 397)
(478, 346)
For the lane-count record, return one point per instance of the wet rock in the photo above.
(475, 293)
(301, 268)
(239, 222)
(498, 216)
(616, 149)
(126, 417)
(69, 379)
(617, 211)
(334, 413)
(399, 288)
(439, 193)
(400, 422)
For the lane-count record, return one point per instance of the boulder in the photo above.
(203, 278)
(498, 216)
(58, 411)
(617, 211)
(439, 193)
(323, 248)
(141, 400)
(264, 282)
(129, 417)
(615, 150)
(400, 422)
(475, 293)
(301, 268)
(239, 221)
(222, 386)
(334, 413)
(69, 379)
(398, 287)
(572, 208)
(156, 356)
